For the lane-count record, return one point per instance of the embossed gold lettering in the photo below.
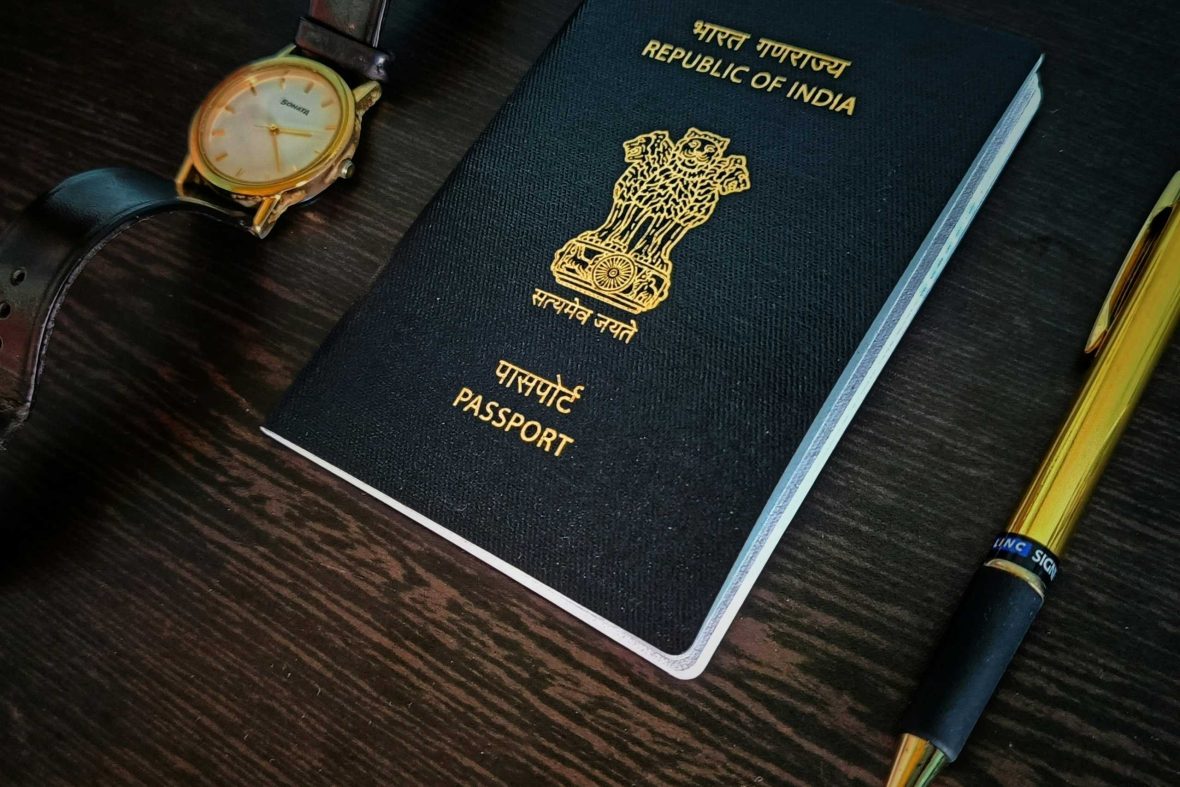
(710, 32)
(800, 57)
(501, 418)
(695, 61)
(768, 49)
(551, 393)
(505, 419)
(566, 440)
(822, 97)
(524, 433)
(545, 441)
(764, 80)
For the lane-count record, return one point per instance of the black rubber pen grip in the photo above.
(982, 637)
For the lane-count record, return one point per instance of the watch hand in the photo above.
(281, 130)
(274, 141)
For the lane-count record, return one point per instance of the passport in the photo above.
(614, 352)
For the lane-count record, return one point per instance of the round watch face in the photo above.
(272, 123)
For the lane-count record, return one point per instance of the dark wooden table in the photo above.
(183, 601)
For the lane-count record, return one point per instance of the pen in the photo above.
(1132, 331)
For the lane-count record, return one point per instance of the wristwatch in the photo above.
(273, 134)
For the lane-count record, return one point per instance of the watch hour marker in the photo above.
(327, 102)
(221, 156)
(309, 86)
(253, 88)
(282, 83)
(331, 127)
(229, 108)
(238, 174)
(217, 132)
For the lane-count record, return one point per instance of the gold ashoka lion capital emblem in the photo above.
(669, 188)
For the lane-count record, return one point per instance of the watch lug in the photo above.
(266, 216)
(183, 175)
(288, 49)
(366, 96)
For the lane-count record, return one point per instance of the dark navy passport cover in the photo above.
(612, 354)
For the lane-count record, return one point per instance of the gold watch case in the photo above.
(271, 198)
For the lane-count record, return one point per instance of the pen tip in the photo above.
(916, 764)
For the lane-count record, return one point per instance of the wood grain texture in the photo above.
(182, 601)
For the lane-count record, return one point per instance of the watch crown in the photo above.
(347, 169)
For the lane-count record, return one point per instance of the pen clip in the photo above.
(1129, 271)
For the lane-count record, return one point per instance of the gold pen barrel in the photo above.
(1133, 328)
(1145, 321)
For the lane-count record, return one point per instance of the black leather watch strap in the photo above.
(359, 19)
(346, 33)
(43, 250)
